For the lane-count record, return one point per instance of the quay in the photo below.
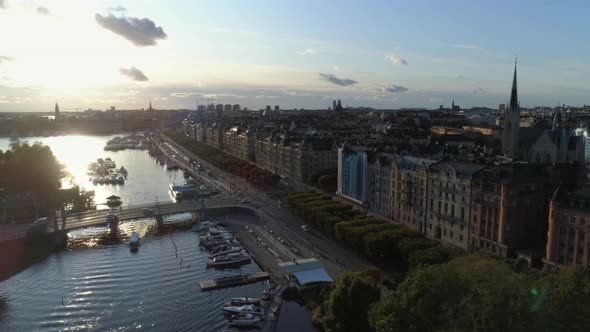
(232, 281)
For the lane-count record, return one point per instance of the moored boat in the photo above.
(239, 301)
(246, 309)
(227, 260)
(134, 240)
(245, 320)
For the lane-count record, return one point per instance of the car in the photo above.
(305, 228)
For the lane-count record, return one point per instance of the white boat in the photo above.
(230, 259)
(134, 240)
(246, 309)
(210, 237)
(224, 250)
(216, 242)
(177, 218)
(239, 301)
(203, 226)
(245, 320)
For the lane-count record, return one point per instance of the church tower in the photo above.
(56, 112)
(511, 123)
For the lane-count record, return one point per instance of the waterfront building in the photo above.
(409, 190)
(449, 201)
(568, 236)
(295, 157)
(240, 142)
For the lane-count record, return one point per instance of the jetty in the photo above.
(232, 281)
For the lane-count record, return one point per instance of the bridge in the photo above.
(98, 218)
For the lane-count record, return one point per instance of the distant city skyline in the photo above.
(304, 54)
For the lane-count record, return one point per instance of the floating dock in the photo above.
(232, 281)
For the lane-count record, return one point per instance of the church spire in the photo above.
(513, 104)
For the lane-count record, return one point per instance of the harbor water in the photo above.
(99, 284)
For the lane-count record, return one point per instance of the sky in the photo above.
(295, 54)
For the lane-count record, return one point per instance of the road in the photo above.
(279, 237)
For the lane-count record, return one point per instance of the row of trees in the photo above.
(236, 166)
(376, 238)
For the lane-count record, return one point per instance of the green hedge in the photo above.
(373, 237)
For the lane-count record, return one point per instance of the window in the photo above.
(461, 238)
(462, 213)
(451, 233)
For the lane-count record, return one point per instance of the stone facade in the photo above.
(568, 240)
(449, 201)
(409, 189)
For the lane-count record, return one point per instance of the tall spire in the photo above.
(513, 104)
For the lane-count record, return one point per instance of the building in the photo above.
(201, 108)
(236, 107)
(409, 189)
(556, 145)
(568, 237)
(353, 173)
(295, 157)
(306, 272)
(240, 142)
(449, 201)
(379, 183)
(227, 107)
(509, 209)
(277, 108)
(56, 114)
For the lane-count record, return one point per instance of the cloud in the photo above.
(266, 97)
(396, 60)
(469, 47)
(296, 93)
(117, 9)
(478, 90)
(2, 5)
(393, 88)
(5, 58)
(42, 10)
(204, 95)
(335, 80)
(307, 51)
(141, 32)
(134, 74)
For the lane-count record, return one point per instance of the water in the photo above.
(99, 284)
(147, 181)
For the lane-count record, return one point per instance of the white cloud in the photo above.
(395, 59)
(266, 97)
(307, 51)
(42, 10)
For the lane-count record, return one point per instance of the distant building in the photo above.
(56, 114)
(113, 108)
(219, 107)
(502, 108)
(236, 107)
(201, 108)
(268, 108)
(151, 108)
(211, 107)
(227, 107)
(277, 108)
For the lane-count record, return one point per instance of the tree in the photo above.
(348, 300)
(469, 293)
(408, 121)
(563, 300)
